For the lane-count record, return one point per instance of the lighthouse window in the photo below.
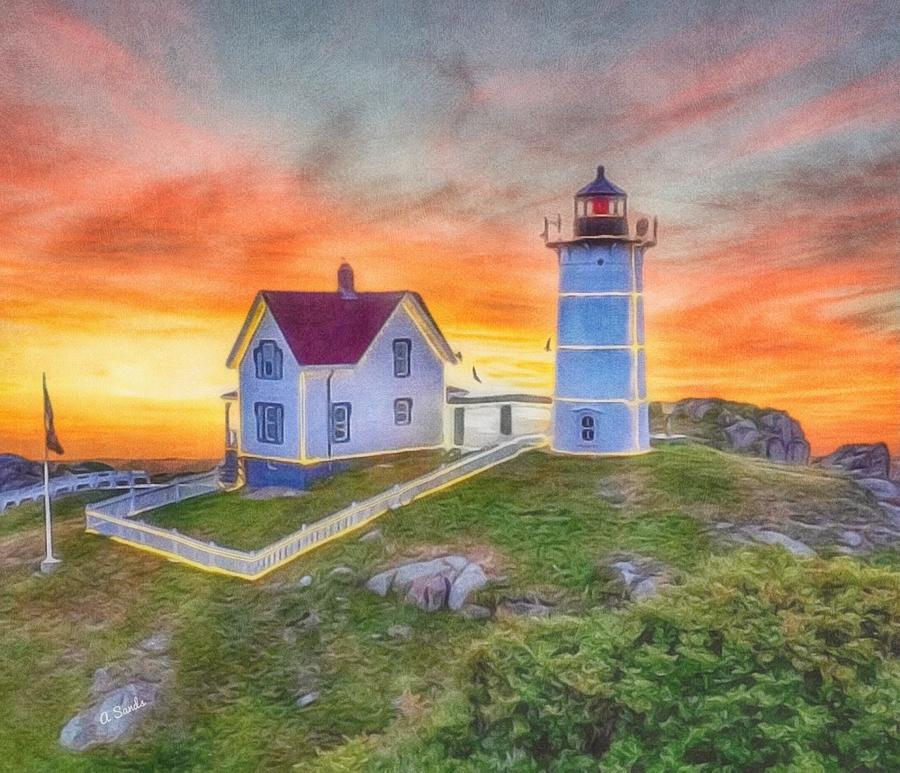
(600, 205)
(588, 429)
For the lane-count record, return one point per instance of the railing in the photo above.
(110, 517)
(68, 484)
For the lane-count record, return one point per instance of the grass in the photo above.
(234, 521)
(546, 520)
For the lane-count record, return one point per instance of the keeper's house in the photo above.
(325, 377)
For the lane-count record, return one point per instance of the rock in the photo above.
(526, 607)
(743, 434)
(641, 577)
(475, 612)
(309, 621)
(769, 537)
(881, 488)
(470, 579)
(103, 681)
(372, 536)
(381, 583)
(307, 699)
(645, 589)
(403, 632)
(429, 593)
(342, 571)
(273, 492)
(408, 573)
(305, 581)
(852, 538)
(432, 584)
(111, 719)
(862, 460)
(158, 643)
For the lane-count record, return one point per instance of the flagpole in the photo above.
(49, 563)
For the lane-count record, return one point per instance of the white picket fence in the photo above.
(110, 517)
(68, 484)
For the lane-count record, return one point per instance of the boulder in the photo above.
(381, 583)
(305, 581)
(372, 536)
(111, 719)
(470, 579)
(307, 699)
(447, 566)
(157, 644)
(429, 593)
(881, 488)
(770, 537)
(526, 607)
(104, 680)
(741, 427)
(475, 612)
(743, 434)
(403, 632)
(432, 584)
(640, 577)
(862, 460)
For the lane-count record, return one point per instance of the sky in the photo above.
(160, 162)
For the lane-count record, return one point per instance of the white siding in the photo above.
(285, 391)
(371, 389)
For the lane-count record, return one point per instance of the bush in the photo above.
(761, 663)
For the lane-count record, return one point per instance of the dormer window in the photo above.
(402, 351)
(268, 360)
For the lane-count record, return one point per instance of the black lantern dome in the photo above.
(601, 208)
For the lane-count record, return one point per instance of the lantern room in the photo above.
(601, 208)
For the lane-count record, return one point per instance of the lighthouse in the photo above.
(600, 399)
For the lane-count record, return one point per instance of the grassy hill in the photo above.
(243, 653)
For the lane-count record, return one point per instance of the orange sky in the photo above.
(161, 165)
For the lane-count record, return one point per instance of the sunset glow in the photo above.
(161, 162)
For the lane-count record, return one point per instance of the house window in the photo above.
(268, 359)
(402, 349)
(269, 423)
(340, 422)
(403, 410)
(588, 428)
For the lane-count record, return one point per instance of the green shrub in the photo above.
(760, 663)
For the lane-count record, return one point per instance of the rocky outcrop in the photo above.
(122, 696)
(861, 460)
(18, 472)
(869, 464)
(444, 582)
(739, 427)
(637, 577)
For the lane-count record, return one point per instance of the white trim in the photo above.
(598, 295)
(587, 347)
(625, 401)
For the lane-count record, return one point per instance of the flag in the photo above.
(50, 440)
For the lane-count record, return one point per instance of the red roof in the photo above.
(329, 329)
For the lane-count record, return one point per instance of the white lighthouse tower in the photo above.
(600, 400)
